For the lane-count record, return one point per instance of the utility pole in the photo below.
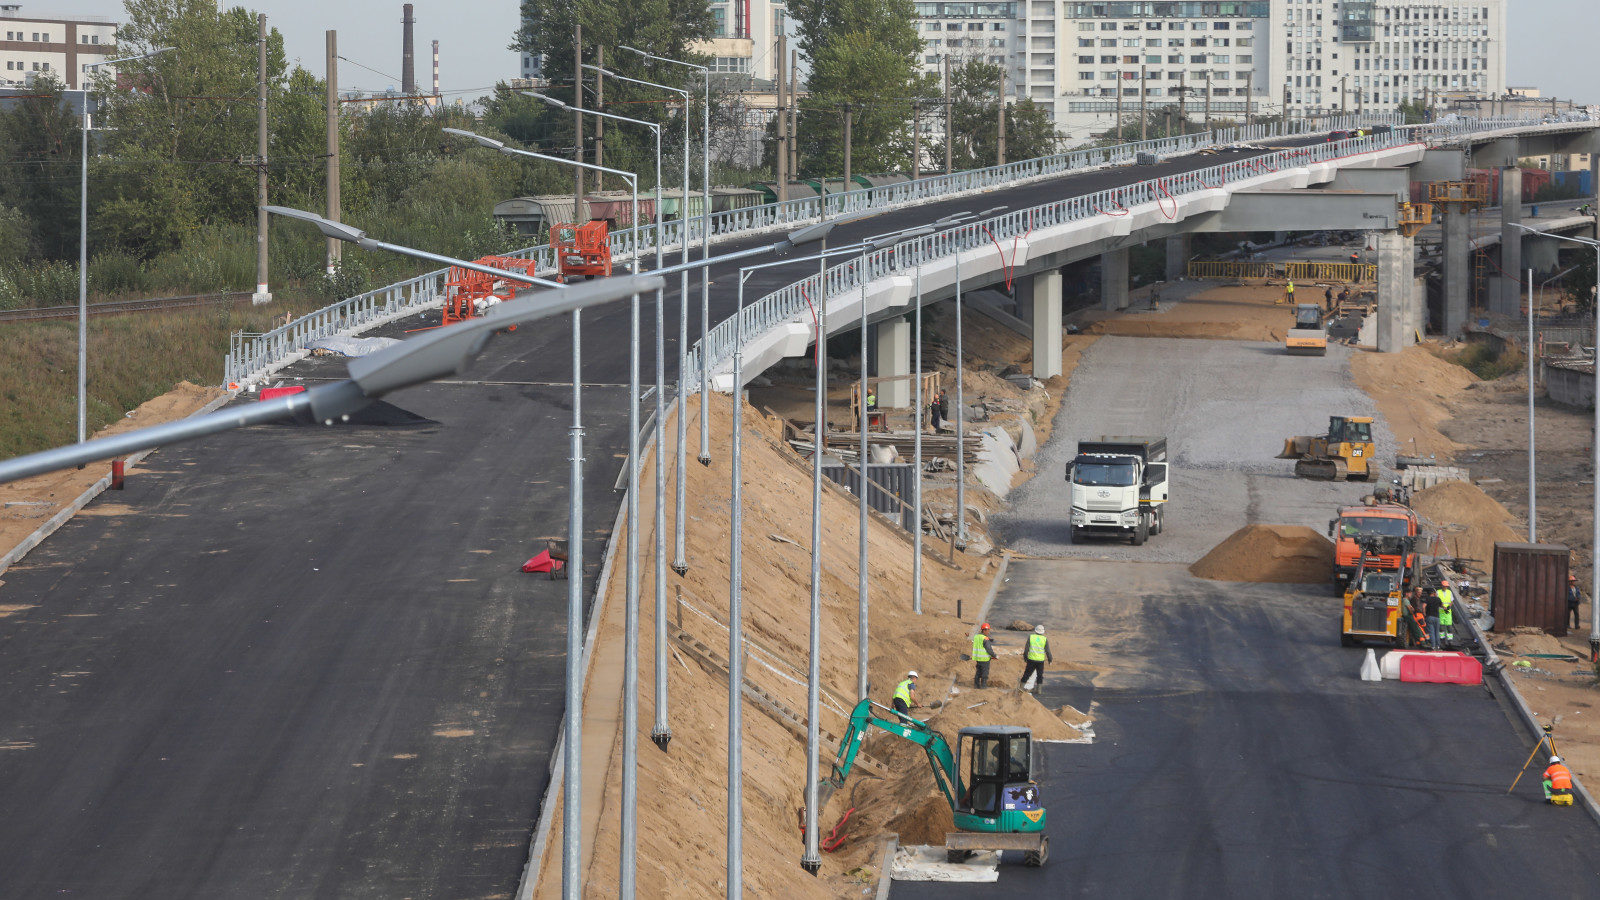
(949, 135)
(794, 113)
(780, 160)
(846, 110)
(1000, 152)
(335, 247)
(1208, 99)
(1119, 107)
(1250, 98)
(262, 295)
(1344, 102)
(600, 130)
(1286, 106)
(916, 139)
(1144, 120)
(1183, 107)
(577, 125)
(1166, 115)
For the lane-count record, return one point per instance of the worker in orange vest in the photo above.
(1557, 783)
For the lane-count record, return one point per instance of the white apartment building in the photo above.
(1077, 58)
(745, 39)
(61, 46)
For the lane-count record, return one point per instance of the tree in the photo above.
(1415, 111)
(41, 140)
(863, 56)
(974, 118)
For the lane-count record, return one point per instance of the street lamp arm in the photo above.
(493, 144)
(676, 62)
(683, 91)
(592, 112)
(1559, 237)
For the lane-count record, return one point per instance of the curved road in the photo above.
(295, 662)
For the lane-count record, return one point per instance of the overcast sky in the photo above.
(1551, 42)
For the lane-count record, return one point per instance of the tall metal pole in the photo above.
(846, 151)
(572, 752)
(1249, 98)
(811, 860)
(861, 498)
(1533, 495)
(661, 733)
(262, 295)
(794, 117)
(1119, 106)
(949, 135)
(736, 621)
(335, 247)
(577, 133)
(1183, 107)
(961, 416)
(83, 279)
(600, 130)
(916, 139)
(1594, 547)
(1000, 114)
(916, 454)
(1144, 99)
(780, 173)
(680, 561)
(630, 664)
(1208, 100)
(705, 273)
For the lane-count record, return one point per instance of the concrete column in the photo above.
(1047, 324)
(1114, 280)
(1419, 308)
(1396, 290)
(894, 358)
(1177, 256)
(1508, 299)
(1457, 271)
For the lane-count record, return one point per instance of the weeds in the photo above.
(1487, 363)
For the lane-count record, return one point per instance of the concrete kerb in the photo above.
(15, 554)
(553, 792)
(891, 843)
(1498, 670)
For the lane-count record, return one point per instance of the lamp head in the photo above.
(550, 101)
(482, 141)
(992, 211)
(336, 230)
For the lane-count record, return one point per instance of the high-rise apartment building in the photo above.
(62, 46)
(1078, 58)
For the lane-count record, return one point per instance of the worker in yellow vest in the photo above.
(1037, 654)
(1447, 616)
(1288, 292)
(982, 653)
(905, 693)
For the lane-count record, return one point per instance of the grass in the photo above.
(131, 359)
(1487, 363)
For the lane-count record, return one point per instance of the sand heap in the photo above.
(1468, 520)
(1414, 390)
(1292, 554)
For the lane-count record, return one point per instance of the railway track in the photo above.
(120, 307)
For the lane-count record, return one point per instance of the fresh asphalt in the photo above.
(302, 662)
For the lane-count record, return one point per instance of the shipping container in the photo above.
(1530, 587)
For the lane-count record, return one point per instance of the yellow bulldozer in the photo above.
(1344, 453)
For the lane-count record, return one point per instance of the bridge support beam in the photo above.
(1047, 324)
(1396, 291)
(1114, 280)
(1508, 298)
(894, 358)
(1177, 255)
(1457, 271)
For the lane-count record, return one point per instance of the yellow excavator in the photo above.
(1345, 453)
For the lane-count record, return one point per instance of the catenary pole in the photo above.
(262, 295)
(736, 620)
(1533, 495)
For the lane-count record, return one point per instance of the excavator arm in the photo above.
(940, 758)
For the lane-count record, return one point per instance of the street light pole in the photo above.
(1533, 495)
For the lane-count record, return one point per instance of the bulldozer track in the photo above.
(120, 307)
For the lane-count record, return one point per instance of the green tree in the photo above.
(41, 141)
(863, 56)
(974, 120)
(1415, 111)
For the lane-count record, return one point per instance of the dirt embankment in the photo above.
(29, 503)
(1288, 554)
(1467, 521)
(681, 830)
(1238, 312)
(1416, 391)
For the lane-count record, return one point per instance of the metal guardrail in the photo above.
(791, 303)
(1299, 270)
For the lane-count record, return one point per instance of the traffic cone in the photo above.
(1369, 667)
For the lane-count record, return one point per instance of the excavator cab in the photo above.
(999, 781)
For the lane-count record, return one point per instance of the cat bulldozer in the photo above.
(1345, 453)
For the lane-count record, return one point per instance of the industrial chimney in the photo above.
(408, 64)
(435, 69)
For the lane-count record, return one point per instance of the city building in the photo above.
(1078, 58)
(64, 47)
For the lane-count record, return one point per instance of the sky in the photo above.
(1551, 43)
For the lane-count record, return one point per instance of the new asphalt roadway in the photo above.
(302, 662)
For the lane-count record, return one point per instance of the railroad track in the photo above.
(120, 307)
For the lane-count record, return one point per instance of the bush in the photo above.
(1484, 361)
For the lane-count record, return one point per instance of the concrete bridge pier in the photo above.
(1508, 299)
(1114, 280)
(1178, 251)
(1397, 295)
(1457, 270)
(1047, 324)
(894, 358)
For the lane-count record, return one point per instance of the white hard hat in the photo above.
(912, 673)
(1038, 629)
(1554, 760)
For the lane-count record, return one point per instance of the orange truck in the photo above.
(1388, 520)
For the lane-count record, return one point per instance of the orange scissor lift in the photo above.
(467, 290)
(582, 249)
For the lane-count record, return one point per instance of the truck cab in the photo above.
(1390, 520)
(1120, 487)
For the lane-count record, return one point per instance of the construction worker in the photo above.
(905, 693)
(872, 399)
(1288, 292)
(1447, 615)
(1355, 258)
(1574, 599)
(982, 652)
(1037, 654)
(1327, 298)
(1344, 296)
(1430, 608)
(1557, 783)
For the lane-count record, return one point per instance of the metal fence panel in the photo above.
(891, 490)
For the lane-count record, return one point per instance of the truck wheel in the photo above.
(1037, 858)
(1160, 521)
(1141, 531)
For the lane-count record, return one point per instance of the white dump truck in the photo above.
(1119, 487)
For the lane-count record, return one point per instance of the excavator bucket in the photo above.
(1295, 447)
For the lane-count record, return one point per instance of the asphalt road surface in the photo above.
(295, 662)
(1225, 408)
(1237, 754)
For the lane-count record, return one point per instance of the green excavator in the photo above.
(996, 805)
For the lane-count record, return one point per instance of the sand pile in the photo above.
(1468, 521)
(1414, 390)
(1230, 312)
(1004, 706)
(1291, 554)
